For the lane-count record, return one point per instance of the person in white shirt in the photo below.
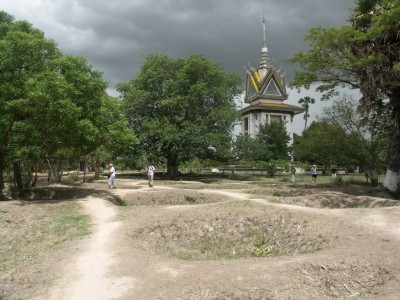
(111, 176)
(292, 174)
(150, 174)
(314, 174)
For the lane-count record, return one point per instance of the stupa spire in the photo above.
(265, 61)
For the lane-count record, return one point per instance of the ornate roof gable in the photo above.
(265, 83)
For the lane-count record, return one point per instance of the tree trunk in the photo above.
(35, 177)
(392, 176)
(305, 124)
(172, 170)
(2, 185)
(97, 169)
(85, 164)
(17, 174)
(2, 165)
(373, 176)
(55, 169)
(172, 166)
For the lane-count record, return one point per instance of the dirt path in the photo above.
(86, 277)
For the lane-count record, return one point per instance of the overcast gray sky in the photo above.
(113, 35)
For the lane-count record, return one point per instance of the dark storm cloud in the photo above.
(114, 35)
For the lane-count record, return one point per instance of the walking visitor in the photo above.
(292, 174)
(150, 174)
(111, 176)
(314, 174)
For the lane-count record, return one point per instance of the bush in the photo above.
(190, 199)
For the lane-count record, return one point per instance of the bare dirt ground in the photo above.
(224, 239)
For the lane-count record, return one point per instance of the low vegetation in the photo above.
(30, 231)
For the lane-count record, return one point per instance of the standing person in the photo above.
(314, 174)
(111, 176)
(150, 173)
(293, 174)
(333, 173)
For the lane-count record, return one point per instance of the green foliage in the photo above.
(274, 139)
(327, 60)
(123, 203)
(364, 54)
(341, 137)
(271, 169)
(338, 181)
(323, 144)
(190, 199)
(271, 143)
(54, 107)
(277, 194)
(243, 147)
(262, 250)
(193, 164)
(365, 137)
(183, 109)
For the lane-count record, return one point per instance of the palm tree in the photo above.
(363, 12)
(305, 103)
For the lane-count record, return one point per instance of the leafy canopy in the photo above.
(53, 107)
(181, 108)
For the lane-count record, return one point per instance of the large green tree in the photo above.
(54, 108)
(364, 54)
(181, 108)
(24, 52)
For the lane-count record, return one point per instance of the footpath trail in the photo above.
(86, 276)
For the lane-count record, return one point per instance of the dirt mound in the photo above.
(228, 232)
(55, 192)
(172, 197)
(337, 200)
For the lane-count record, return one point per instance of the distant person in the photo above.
(333, 171)
(314, 174)
(111, 176)
(292, 174)
(150, 174)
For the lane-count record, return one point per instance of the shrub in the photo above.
(190, 199)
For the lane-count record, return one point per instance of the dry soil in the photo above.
(225, 240)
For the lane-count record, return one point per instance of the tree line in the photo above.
(55, 110)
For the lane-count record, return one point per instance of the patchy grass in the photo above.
(29, 231)
(172, 197)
